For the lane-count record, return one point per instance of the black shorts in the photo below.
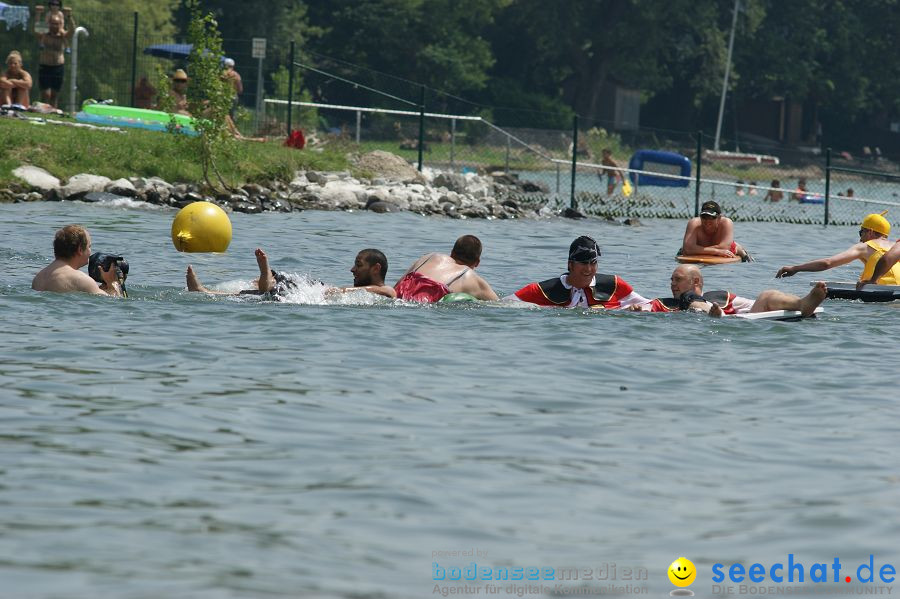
(51, 77)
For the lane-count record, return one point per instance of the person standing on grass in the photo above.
(52, 59)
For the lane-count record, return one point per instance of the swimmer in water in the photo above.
(711, 234)
(368, 270)
(687, 294)
(433, 276)
(873, 244)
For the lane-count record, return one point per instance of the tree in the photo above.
(209, 94)
(573, 50)
(394, 45)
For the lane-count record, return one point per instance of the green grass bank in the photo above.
(65, 151)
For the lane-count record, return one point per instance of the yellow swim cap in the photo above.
(877, 223)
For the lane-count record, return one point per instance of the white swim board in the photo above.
(786, 315)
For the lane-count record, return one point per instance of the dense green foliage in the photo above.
(209, 96)
(532, 63)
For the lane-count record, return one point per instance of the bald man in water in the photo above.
(687, 294)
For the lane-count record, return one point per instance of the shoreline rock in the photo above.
(395, 186)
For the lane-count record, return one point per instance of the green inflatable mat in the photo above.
(455, 298)
(127, 112)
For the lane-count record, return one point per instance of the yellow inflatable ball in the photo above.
(201, 227)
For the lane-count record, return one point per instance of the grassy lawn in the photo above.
(65, 151)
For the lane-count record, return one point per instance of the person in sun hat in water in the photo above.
(433, 276)
(368, 270)
(581, 285)
(686, 284)
(873, 244)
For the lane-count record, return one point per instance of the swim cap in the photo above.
(584, 249)
(877, 223)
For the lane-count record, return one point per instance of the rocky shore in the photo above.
(390, 184)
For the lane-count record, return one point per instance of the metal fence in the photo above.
(341, 103)
(114, 50)
(566, 166)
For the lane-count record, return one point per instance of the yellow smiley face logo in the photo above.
(682, 572)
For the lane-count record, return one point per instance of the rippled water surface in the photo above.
(178, 445)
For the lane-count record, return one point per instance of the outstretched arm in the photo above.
(376, 289)
(67, 11)
(858, 251)
(38, 15)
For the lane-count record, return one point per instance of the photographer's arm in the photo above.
(111, 285)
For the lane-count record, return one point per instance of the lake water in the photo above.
(182, 446)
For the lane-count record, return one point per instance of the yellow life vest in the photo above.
(891, 277)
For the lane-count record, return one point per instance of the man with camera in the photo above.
(72, 250)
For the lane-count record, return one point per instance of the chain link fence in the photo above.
(112, 51)
(560, 159)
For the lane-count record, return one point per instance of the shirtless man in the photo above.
(687, 294)
(873, 244)
(433, 276)
(774, 194)
(713, 234)
(51, 63)
(580, 285)
(72, 250)
(15, 82)
(179, 92)
(368, 270)
(612, 176)
(235, 79)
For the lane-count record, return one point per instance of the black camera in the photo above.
(105, 261)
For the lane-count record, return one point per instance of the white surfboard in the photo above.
(786, 315)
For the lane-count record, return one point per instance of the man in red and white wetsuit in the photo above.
(433, 276)
(687, 294)
(581, 286)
